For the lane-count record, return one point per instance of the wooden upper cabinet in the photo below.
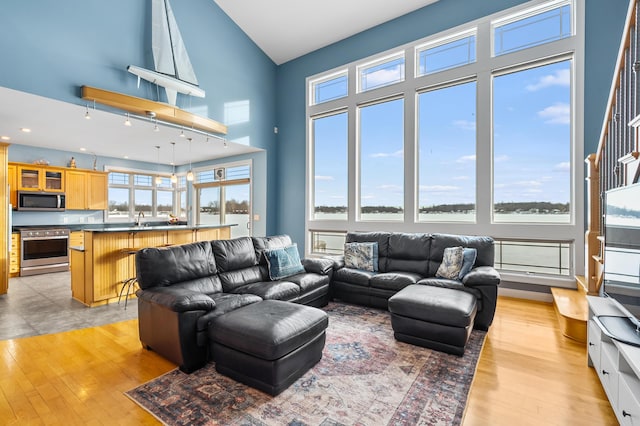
(98, 193)
(39, 178)
(86, 190)
(76, 191)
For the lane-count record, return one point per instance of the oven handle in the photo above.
(60, 237)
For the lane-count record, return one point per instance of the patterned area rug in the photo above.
(365, 377)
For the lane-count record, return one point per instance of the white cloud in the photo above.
(460, 178)
(367, 197)
(560, 78)
(556, 114)
(383, 76)
(397, 154)
(501, 159)
(338, 197)
(390, 187)
(465, 124)
(562, 167)
(319, 177)
(438, 188)
(466, 158)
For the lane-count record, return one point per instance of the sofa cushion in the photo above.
(482, 275)
(164, 266)
(234, 254)
(271, 290)
(283, 262)
(353, 276)
(362, 256)
(451, 263)
(408, 253)
(393, 280)
(309, 282)
(234, 279)
(452, 284)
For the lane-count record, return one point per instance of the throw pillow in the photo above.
(451, 263)
(362, 256)
(283, 262)
(468, 259)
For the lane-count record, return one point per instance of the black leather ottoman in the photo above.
(433, 317)
(268, 345)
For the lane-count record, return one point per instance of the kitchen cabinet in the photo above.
(14, 258)
(76, 239)
(86, 190)
(13, 184)
(40, 178)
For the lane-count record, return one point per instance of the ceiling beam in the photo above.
(153, 109)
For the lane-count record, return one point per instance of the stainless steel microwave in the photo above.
(41, 201)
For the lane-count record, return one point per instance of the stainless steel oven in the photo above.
(43, 250)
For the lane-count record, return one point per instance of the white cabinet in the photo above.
(617, 364)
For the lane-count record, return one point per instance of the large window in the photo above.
(381, 161)
(476, 130)
(447, 154)
(223, 197)
(132, 193)
(330, 167)
(532, 144)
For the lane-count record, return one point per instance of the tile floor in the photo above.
(42, 304)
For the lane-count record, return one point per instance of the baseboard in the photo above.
(523, 294)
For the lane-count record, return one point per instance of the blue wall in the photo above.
(51, 48)
(604, 24)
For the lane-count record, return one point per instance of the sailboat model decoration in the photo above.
(173, 69)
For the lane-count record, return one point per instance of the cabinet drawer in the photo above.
(628, 409)
(594, 339)
(608, 371)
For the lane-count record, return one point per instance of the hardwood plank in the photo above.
(528, 374)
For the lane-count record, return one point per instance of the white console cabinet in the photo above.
(617, 364)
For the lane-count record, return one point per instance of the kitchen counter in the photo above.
(153, 228)
(106, 262)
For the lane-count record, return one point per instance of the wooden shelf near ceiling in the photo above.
(146, 107)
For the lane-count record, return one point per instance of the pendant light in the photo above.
(174, 178)
(158, 177)
(190, 172)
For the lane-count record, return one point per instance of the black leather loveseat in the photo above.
(405, 259)
(184, 288)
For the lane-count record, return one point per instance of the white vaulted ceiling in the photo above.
(287, 29)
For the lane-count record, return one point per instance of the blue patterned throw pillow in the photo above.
(468, 259)
(363, 256)
(451, 263)
(283, 262)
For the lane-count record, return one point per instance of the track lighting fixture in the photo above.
(182, 134)
(86, 114)
(225, 144)
(127, 122)
(155, 126)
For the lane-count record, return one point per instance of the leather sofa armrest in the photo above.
(318, 265)
(481, 275)
(177, 299)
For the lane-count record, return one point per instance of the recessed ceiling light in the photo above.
(83, 149)
(5, 138)
(126, 157)
(25, 129)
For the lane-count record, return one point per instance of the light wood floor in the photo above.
(528, 374)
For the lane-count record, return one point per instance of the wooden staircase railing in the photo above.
(616, 161)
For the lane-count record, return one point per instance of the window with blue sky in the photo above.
(480, 135)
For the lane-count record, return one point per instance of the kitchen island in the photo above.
(103, 264)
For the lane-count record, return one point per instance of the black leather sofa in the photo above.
(406, 258)
(184, 288)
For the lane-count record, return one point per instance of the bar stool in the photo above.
(128, 283)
